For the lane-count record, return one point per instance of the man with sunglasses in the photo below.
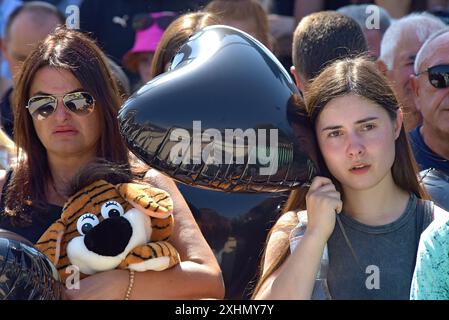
(430, 84)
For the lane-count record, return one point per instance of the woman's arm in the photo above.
(295, 278)
(197, 276)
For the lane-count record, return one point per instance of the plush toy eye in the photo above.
(86, 222)
(112, 209)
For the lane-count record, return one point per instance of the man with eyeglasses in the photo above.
(430, 141)
(28, 24)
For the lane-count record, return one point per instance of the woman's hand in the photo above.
(323, 203)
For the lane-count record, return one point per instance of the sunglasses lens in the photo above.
(80, 103)
(439, 76)
(41, 107)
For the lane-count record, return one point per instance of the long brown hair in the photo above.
(177, 33)
(76, 52)
(360, 77)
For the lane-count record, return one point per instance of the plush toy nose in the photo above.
(110, 237)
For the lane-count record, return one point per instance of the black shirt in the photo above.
(41, 220)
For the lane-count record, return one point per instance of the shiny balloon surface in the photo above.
(224, 117)
(25, 273)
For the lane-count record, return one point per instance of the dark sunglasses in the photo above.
(42, 106)
(143, 21)
(438, 76)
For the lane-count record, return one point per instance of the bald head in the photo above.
(438, 42)
(27, 25)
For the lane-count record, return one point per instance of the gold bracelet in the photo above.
(130, 286)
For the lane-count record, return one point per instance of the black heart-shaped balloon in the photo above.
(25, 273)
(225, 116)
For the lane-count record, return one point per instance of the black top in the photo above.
(40, 220)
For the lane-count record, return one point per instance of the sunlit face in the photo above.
(144, 65)
(64, 133)
(399, 75)
(433, 103)
(357, 140)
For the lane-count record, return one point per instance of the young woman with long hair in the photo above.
(368, 208)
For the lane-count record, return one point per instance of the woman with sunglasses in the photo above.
(65, 113)
(364, 216)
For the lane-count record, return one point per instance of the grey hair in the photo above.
(361, 12)
(432, 37)
(423, 24)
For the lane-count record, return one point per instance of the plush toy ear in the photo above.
(150, 200)
(50, 242)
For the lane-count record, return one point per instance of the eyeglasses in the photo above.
(438, 76)
(42, 106)
(143, 21)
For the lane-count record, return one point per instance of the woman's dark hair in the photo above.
(73, 51)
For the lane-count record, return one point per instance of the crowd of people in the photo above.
(377, 99)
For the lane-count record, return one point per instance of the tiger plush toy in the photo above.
(105, 226)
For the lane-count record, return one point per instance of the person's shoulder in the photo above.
(286, 222)
(292, 216)
(438, 231)
(440, 214)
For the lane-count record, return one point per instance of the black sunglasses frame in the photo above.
(438, 75)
